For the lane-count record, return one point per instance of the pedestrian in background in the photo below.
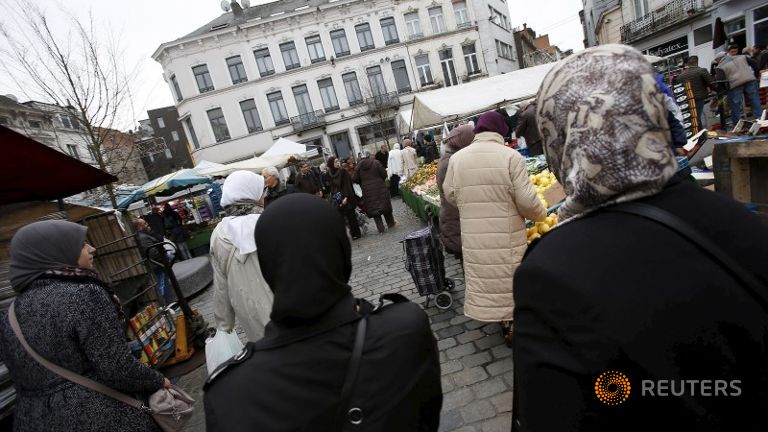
(274, 187)
(410, 165)
(343, 195)
(72, 319)
(239, 289)
(371, 176)
(528, 129)
(430, 149)
(306, 181)
(701, 84)
(450, 225)
(292, 379)
(174, 228)
(395, 170)
(608, 307)
(740, 71)
(147, 239)
(383, 155)
(489, 184)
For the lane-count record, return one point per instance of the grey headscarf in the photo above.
(604, 127)
(44, 246)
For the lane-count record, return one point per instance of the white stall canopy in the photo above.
(285, 147)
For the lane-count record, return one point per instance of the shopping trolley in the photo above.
(424, 260)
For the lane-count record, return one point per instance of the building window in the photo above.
(412, 25)
(641, 8)
(290, 56)
(449, 70)
(277, 106)
(364, 36)
(460, 11)
(352, 88)
(401, 76)
(703, 35)
(168, 154)
(160, 123)
(315, 48)
(218, 124)
(303, 102)
(175, 135)
(251, 115)
(376, 81)
(203, 78)
(328, 94)
(192, 133)
(436, 19)
(264, 62)
(68, 122)
(470, 59)
(340, 44)
(73, 151)
(499, 18)
(503, 50)
(760, 19)
(236, 70)
(34, 124)
(389, 30)
(425, 72)
(176, 88)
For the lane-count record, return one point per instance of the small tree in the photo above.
(379, 108)
(78, 69)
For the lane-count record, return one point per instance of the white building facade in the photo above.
(314, 71)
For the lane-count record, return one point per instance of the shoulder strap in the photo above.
(68, 374)
(346, 413)
(748, 280)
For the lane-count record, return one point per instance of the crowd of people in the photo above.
(621, 285)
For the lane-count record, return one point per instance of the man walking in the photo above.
(740, 71)
(306, 181)
(700, 81)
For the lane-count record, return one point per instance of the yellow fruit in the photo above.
(534, 237)
(543, 228)
(551, 221)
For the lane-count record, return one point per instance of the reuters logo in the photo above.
(612, 388)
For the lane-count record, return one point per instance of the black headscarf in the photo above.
(332, 166)
(308, 280)
(44, 246)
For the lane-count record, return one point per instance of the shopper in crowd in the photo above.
(430, 149)
(489, 184)
(70, 318)
(760, 53)
(701, 84)
(239, 289)
(371, 176)
(395, 170)
(306, 181)
(383, 155)
(155, 221)
(274, 186)
(350, 166)
(586, 303)
(304, 357)
(147, 240)
(740, 73)
(343, 195)
(325, 179)
(450, 225)
(410, 165)
(174, 229)
(528, 129)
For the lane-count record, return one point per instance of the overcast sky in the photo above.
(142, 25)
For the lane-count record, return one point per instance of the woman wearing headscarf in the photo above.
(450, 226)
(609, 291)
(343, 195)
(395, 169)
(410, 165)
(291, 380)
(72, 319)
(239, 289)
(489, 184)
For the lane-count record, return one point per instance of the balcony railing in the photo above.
(383, 101)
(308, 121)
(670, 14)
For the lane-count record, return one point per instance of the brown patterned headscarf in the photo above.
(604, 127)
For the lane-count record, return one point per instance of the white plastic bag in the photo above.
(220, 348)
(358, 190)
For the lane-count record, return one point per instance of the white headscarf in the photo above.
(242, 189)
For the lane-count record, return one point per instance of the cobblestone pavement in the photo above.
(476, 364)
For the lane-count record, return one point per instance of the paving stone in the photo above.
(450, 331)
(450, 420)
(447, 384)
(469, 376)
(451, 367)
(461, 351)
(492, 328)
(470, 336)
(460, 319)
(472, 324)
(501, 423)
(489, 387)
(501, 351)
(457, 398)
(444, 344)
(503, 402)
(500, 366)
(478, 410)
(509, 377)
(440, 325)
(478, 359)
(490, 341)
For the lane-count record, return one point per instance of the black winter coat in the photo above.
(371, 175)
(295, 386)
(307, 183)
(617, 292)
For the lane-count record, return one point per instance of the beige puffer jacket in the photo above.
(489, 184)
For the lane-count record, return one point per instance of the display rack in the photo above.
(152, 335)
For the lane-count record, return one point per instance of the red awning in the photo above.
(31, 171)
